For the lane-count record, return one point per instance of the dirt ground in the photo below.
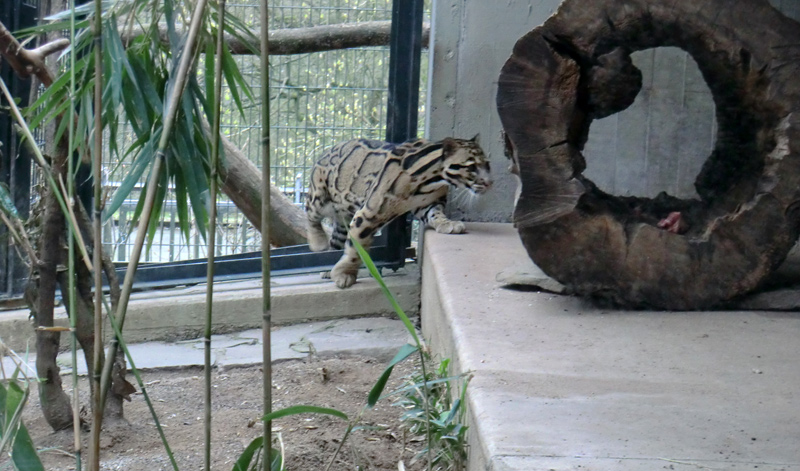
(309, 440)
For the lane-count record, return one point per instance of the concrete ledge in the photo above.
(179, 313)
(560, 384)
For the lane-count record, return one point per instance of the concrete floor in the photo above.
(376, 337)
(179, 313)
(562, 385)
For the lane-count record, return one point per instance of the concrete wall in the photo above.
(658, 144)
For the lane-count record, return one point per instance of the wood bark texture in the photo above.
(241, 182)
(576, 67)
(289, 41)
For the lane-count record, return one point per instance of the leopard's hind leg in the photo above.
(339, 238)
(315, 203)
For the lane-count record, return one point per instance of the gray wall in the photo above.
(658, 144)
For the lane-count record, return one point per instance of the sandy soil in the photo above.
(309, 441)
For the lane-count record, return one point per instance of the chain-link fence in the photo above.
(316, 100)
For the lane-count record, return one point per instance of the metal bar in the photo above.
(405, 48)
(296, 259)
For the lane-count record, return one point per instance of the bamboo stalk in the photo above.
(73, 292)
(146, 396)
(212, 225)
(152, 186)
(265, 237)
(20, 238)
(97, 162)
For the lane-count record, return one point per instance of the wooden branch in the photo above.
(304, 40)
(241, 181)
(27, 62)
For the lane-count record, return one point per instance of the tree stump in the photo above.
(576, 67)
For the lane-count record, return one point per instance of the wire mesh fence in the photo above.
(316, 100)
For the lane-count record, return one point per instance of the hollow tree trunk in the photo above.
(576, 67)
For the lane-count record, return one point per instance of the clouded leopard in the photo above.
(363, 184)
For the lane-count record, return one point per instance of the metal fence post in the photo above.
(404, 67)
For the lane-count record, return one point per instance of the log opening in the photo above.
(576, 68)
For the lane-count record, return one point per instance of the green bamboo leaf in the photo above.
(246, 458)
(243, 463)
(205, 100)
(3, 397)
(50, 27)
(195, 182)
(234, 79)
(451, 414)
(83, 126)
(420, 385)
(375, 393)
(239, 30)
(145, 80)
(181, 201)
(63, 123)
(7, 202)
(14, 398)
(392, 300)
(23, 452)
(140, 164)
(51, 95)
(188, 108)
(113, 63)
(295, 410)
(208, 72)
(158, 205)
(86, 9)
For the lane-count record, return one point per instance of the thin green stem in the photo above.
(265, 235)
(426, 404)
(155, 174)
(97, 162)
(73, 295)
(135, 371)
(127, 288)
(411, 330)
(212, 224)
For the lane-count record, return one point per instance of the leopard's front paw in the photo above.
(451, 227)
(343, 279)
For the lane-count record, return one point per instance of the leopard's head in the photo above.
(465, 165)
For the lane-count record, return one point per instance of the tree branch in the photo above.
(27, 62)
(304, 40)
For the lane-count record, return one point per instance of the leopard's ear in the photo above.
(476, 138)
(448, 145)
